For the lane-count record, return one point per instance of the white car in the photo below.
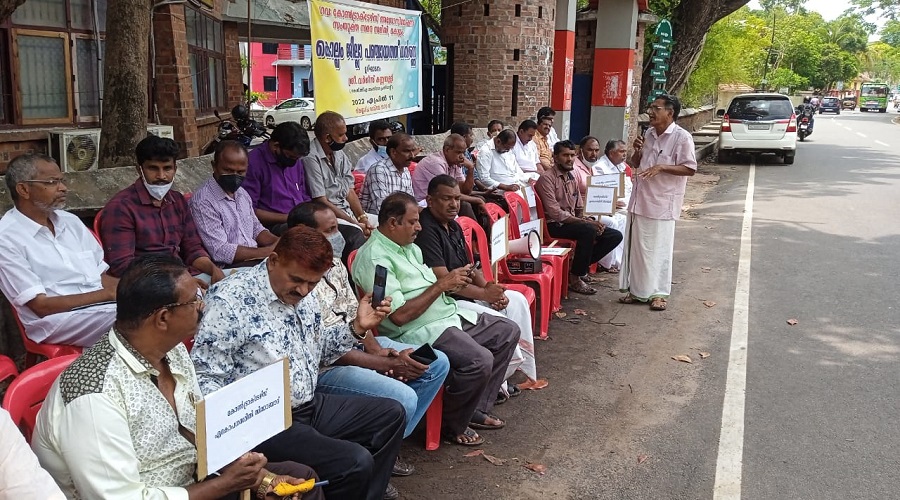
(299, 109)
(758, 123)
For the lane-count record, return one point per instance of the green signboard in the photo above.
(662, 51)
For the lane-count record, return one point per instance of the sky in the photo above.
(830, 9)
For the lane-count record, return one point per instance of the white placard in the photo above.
(600, 200)
(555, 250)
(529, 195)
(605, 180)
(536, 225)
(239, 416)
(499, 239)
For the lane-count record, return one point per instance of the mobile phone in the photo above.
(644, 128)
(380, 283)
(424, 354)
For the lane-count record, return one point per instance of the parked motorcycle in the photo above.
(240, 128)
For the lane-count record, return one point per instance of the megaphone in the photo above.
(530, 244)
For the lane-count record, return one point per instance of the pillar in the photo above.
(563, 67)
(174, 97)
(613, 74)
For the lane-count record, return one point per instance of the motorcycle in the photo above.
(240, 128)
(805, 114)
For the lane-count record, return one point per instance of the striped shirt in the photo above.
(382, 180)
(224, 222)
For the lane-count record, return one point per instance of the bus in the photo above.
(874, 96)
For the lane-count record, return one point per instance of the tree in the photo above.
(691, 21)
(124, 118)
(850, 33)
(7, 7)
(785, 78)
(890, 33)
(889, 9)
(794, 6)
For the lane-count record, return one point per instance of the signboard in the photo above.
(662, 50)
(499, 239)
(239, 416)
(600, 200)
(536, 225)
(367, 59)
(528, 194)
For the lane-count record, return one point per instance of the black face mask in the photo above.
(336, 146)
(230, 183)
(284, 161)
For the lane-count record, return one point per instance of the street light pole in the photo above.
(769, 54)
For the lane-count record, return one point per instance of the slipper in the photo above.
(479, 418)
(658, 304)
(468, 438)
(590, 280)
(533, 385)
(581, 287)
(501, 398)
(629, 299)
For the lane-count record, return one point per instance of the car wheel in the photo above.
(270, 122)
(788, 158)
(305, 123)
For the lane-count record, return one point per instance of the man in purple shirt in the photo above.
(275, 180)
(223, 212)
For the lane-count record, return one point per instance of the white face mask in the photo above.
(157, 191)
(337, 243)
(589, 163)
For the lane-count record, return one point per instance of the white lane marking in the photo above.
(729, 463)
(846, 127)
(882, 143)
(861, 134)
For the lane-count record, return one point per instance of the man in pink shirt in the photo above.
(666, 159)
(449, 161)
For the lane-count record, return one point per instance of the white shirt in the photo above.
(604, 166)
(526, 155)
(106, 431)
(552, 138)
(494, 168)
(34, 261)
(21, 476)
(365, 163)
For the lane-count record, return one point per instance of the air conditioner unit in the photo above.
(75, 150)
(161, 131)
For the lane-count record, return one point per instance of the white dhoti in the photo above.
(614, 259)
(81, 327)
(519, 313)
(646, 271)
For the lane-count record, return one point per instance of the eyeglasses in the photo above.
(198, 300)
(54, 183)
(656, 107)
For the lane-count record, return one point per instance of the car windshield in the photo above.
(760, 108)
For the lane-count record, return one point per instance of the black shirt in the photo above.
(441, 247)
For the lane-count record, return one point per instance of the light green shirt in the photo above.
(407, 278)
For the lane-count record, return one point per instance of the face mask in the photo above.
(230, 183)
(284, 161)
(337, 243)
(589, 163)
(157, 191)
(379, 150)
(337, 146)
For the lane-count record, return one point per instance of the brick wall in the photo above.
(9, 150)
(585, 39)
(485, 39)
(174, 95)
(636, 106)
(234, 83)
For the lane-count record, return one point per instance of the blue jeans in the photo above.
(415, 396)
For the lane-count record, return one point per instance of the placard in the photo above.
(499, 239)
(605, 180)
(536, 225)
(239, 416)
(529, 195)
(560, 251)
(600, 200)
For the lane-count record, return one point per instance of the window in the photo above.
(88, 78)
(270, 48)
(270, 84)
(206, 50)
(44, 91)
(307, 89)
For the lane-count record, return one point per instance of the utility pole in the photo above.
(769, 54)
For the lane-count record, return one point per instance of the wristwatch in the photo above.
(264, 485)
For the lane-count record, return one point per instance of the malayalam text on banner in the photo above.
(367, 59)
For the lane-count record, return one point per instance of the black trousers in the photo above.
(590, 247)
(352, 441)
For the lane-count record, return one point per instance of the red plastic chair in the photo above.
(471, 228)
(27, 392)
(434, 414)
(544, 281)
(97, 223)
(358, 179)
(562, 242)
(34, 349)
(517, 205)
(8, 368)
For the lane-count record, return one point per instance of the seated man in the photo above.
(497, 167)
(444, 249)
(362, 370)
(21, 476)
(613, 162)
(51, 266)
(268, 312)
(389, 175)
(330, 178)
(148, 217)
(449, 161)
(525, 150)
(120, 421)
(564, 210)
(276, 179)
(223, 212)
(479, 346)
(379, 133)
(542, 141)
(493, 128)
(552, 137)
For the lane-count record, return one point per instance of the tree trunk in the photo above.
(691, 20)
(7, 7)
(125, 81)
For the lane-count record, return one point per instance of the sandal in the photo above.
(581, 287)
(590, 280)
(468, 438)
(479, 421)
(658, 304)
(533, 385)
(629, 299)
(514, 391)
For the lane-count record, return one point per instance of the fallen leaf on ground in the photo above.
(710, 227)
(704, 355)
(539, 468)
(612, 354)
(642, 458)
(581, 312)
(709, 303)
(683, 358)
(706, 269)
(561, 314)
(474, 453)
(492, 459)
(792, 321)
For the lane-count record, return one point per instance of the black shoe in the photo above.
(391, 493)
(402, 469)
